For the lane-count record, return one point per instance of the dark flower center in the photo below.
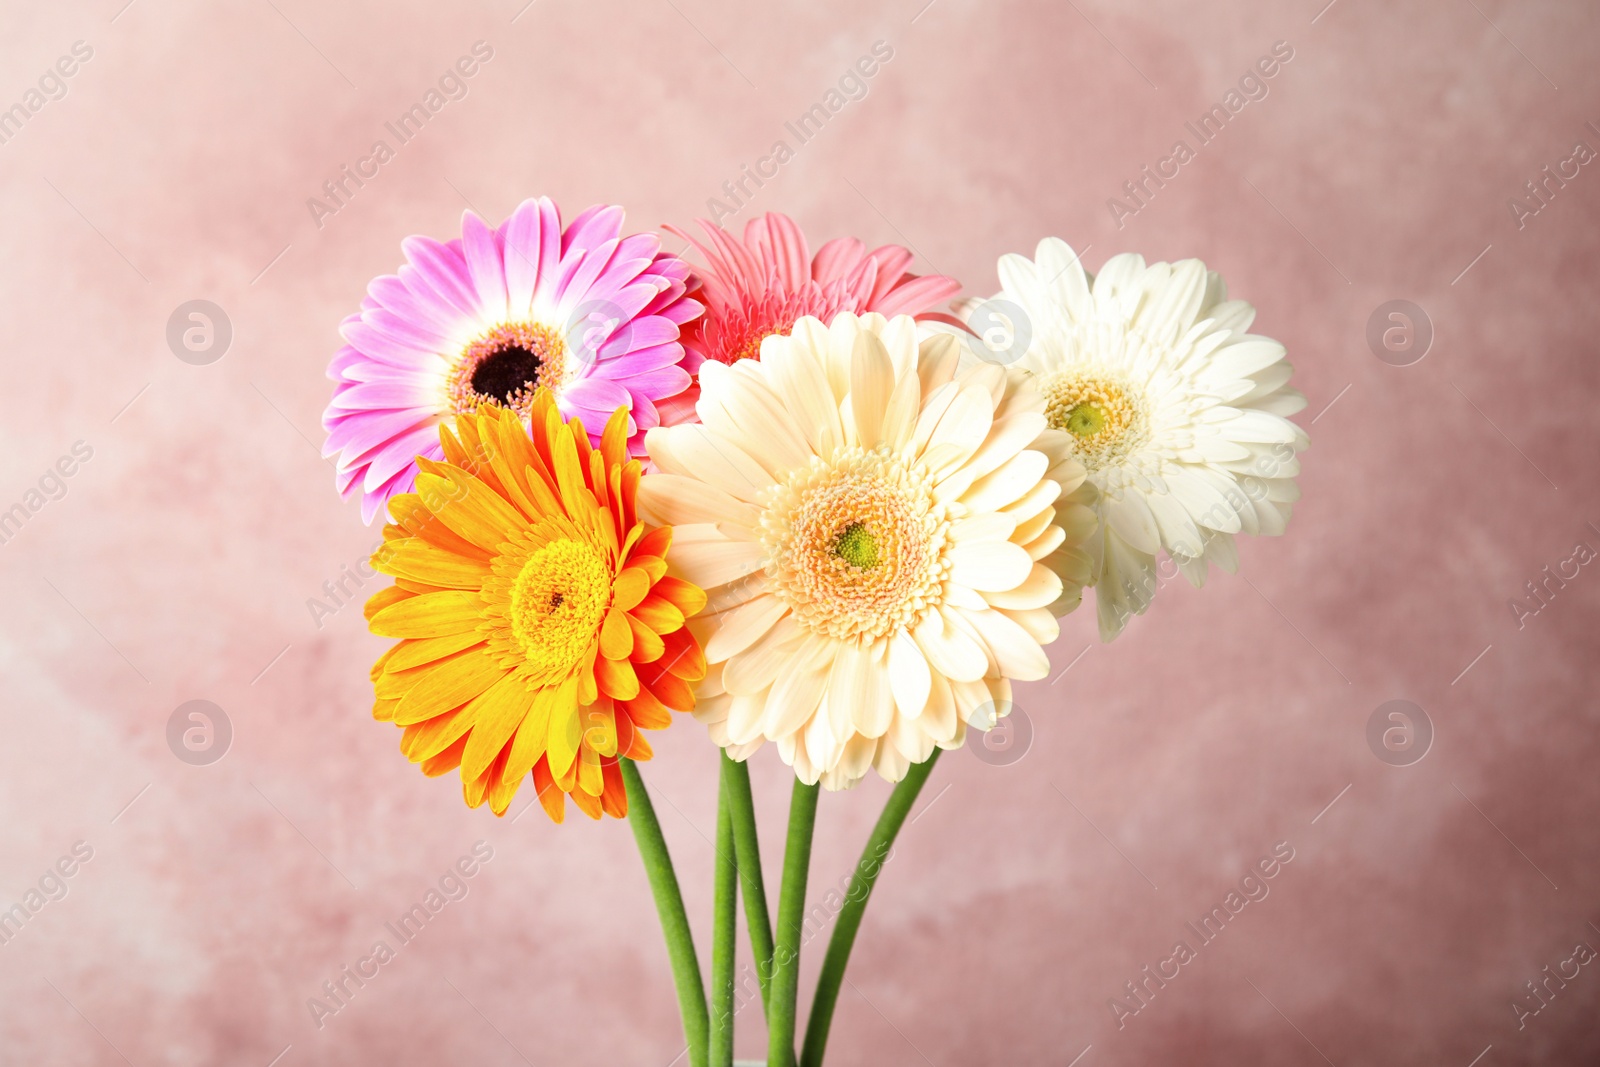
(507, 365)
(506, 373)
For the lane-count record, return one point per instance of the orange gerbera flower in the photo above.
(539, 631)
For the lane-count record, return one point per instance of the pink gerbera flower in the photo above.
(491, 318)
(768, 282)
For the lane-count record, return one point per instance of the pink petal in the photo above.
(485, 265)
(837, 259)
(441, 270)
(521, 239)
(918, 295)
(593, 228)
(639, 333)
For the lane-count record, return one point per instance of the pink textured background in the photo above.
(180, 561)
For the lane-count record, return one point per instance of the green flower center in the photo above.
(856, 546)
(1085, 420)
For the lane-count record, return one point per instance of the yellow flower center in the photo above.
(856, 544)
(558, 599)
(1102, 413)
(507, 365)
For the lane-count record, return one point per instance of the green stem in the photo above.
(725, 929)
(669, 905)
(873, 857)
(785, 989)
(747, 851)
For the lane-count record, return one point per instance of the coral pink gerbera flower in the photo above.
(585, 312)
(766, 283)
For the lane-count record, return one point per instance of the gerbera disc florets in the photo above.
(558, 598)
(857, 544)
(1104, 414)
(507, 365)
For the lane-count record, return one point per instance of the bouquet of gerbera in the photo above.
(783, 493)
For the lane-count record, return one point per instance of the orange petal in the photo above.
(647, 646)
(614, 441)
(655, 542)
(658, 613)
(682, 656)
(553, 800)
(446, 761)
(587, 804)
(616, 678)
(672, 691)
(502, 787)
(685, 596)
(632, 472)
(615, 798)
(647, 712)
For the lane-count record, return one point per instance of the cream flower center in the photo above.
(507, 365)
(1104, 414)
(856, 544)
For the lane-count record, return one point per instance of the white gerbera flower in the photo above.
(1179, 414)
(868, 523)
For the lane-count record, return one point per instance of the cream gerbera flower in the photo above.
(868, 523)
(1180, 416)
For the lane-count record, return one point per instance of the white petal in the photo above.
(871, 382)
(674, 500)
(697, 452)
(753, 670)
(708, 563)
(743, 626)
(799, 377)
(1130, 516)
(794, 697)
(989, 565)
(949, 650)
(909, 675)
(1015, 650)
(1017, 476)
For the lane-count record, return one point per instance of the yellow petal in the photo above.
(534, 733)
(428, 615)
(630, 587)
(469, 507)
(562, 739)
(442, 686)
(499, 710)
(616, 639)
(415, 652)
(420, 561)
